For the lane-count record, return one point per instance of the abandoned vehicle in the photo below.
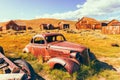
(17, 69)
(57, 51)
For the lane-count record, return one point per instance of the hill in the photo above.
(35, 23)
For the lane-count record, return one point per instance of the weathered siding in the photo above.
(111, 30)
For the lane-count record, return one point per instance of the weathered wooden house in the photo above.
(113, 27)
(88, 23)
(63, 25)
(46, 26)
(17, 26)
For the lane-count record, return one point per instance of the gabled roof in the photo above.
(116, 24)
(113, 21)
(17, 23)
(20, 23)
(91, 20)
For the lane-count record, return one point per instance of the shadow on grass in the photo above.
(99, 64)
(94, 68)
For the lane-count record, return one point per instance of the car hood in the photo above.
(68, 46)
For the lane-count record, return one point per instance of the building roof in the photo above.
(112, 21)
(116, 24)
(16, 22)
(91, 20)
(20, 23)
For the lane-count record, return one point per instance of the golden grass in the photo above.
(99, 44)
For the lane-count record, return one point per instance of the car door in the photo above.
(39, 46)
(57, 51)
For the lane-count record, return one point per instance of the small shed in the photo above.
(63, 25)
(88, 23)
(15, 25)
(113, 29)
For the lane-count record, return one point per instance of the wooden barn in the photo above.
(63, 25)
(112, 28)
(88, 23)
(17, 26)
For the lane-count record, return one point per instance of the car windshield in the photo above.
(54, 38)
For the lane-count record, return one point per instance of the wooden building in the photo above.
(113, 27)
(63, 25)
(17, 26)
(88, 23)
(46, 26)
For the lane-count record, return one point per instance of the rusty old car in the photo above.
(57, 51)
(15, 69)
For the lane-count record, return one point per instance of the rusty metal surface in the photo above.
(68, 46)
(9, 67)
(69, 64)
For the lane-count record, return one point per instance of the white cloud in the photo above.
(79, 6)
(94, 8)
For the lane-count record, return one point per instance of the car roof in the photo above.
(47, 34)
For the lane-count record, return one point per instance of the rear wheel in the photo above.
(60, 67)
(26, 67)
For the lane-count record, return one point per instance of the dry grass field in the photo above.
(101, 45)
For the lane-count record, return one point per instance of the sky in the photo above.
(59, 9)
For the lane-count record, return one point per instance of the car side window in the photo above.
(39, 40)
(49, 39)
(59, 38)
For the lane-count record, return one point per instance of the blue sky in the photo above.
(59, 9)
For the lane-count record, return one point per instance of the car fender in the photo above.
(69, 64)
(25, 50)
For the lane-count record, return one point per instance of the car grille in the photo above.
(85, 55)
